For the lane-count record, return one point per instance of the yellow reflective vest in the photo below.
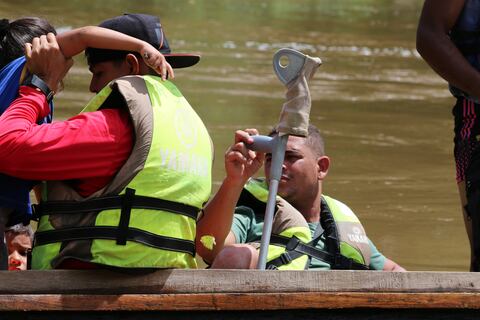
(347, 245)
(146, 216)
(287, 222)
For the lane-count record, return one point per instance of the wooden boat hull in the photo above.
(257, 294)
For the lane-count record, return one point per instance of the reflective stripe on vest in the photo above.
(171, 160)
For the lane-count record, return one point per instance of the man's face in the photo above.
(300, 172)
(18, 246)
(104, 72)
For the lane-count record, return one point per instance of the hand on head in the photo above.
(240, 162)
(46, 60)
(155, 60)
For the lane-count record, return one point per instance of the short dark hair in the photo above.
(313, 140)
(14, 35)
(95, 55)
(21, 228)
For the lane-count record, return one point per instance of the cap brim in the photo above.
(181, 60)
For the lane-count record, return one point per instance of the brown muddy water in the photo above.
(385, 115)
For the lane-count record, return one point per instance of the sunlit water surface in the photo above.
(385, 115)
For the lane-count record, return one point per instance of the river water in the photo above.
(386, 117)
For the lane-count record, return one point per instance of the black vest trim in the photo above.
(111, 233)
(112, 202)
(248, 199)
(295, 249)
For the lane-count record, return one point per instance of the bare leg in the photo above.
(236, 256)
(468, 226)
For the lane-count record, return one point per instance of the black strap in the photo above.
(36, 82)
(112, 202)
(111, 233)
(327, 221)
(125, 216)
(284, 259)
(295, 248)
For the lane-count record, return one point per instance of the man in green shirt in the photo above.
(226, 232)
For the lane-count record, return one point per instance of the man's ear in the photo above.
(323, 164)
(133, 64)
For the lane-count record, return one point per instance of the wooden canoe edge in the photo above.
(240, 301)
(103, 282)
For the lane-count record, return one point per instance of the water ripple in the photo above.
(364, 51)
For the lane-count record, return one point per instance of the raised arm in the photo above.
(75, 41)
(434, 45)
(240, 165)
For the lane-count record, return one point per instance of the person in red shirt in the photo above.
(14, 192)
(32, 151)
(87, 150)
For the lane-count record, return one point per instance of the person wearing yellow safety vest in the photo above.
(338, 242)
(145, 217)
(137, 207)
(337, 239)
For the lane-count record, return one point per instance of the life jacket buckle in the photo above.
(292, 243)
(285, 258)
(271, 267)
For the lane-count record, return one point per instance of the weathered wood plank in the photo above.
(240, 301)
(305, 314)
(234, 281)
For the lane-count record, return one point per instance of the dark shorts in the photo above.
(467, 138)
(467, 161)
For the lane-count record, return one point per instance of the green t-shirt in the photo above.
(247, 227)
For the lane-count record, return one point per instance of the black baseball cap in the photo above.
(144, 27)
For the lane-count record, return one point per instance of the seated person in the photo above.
(126, 178)
(14, 192)
(19, 240)
(326, 233)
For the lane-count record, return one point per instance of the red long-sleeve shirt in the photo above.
(87, 149)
